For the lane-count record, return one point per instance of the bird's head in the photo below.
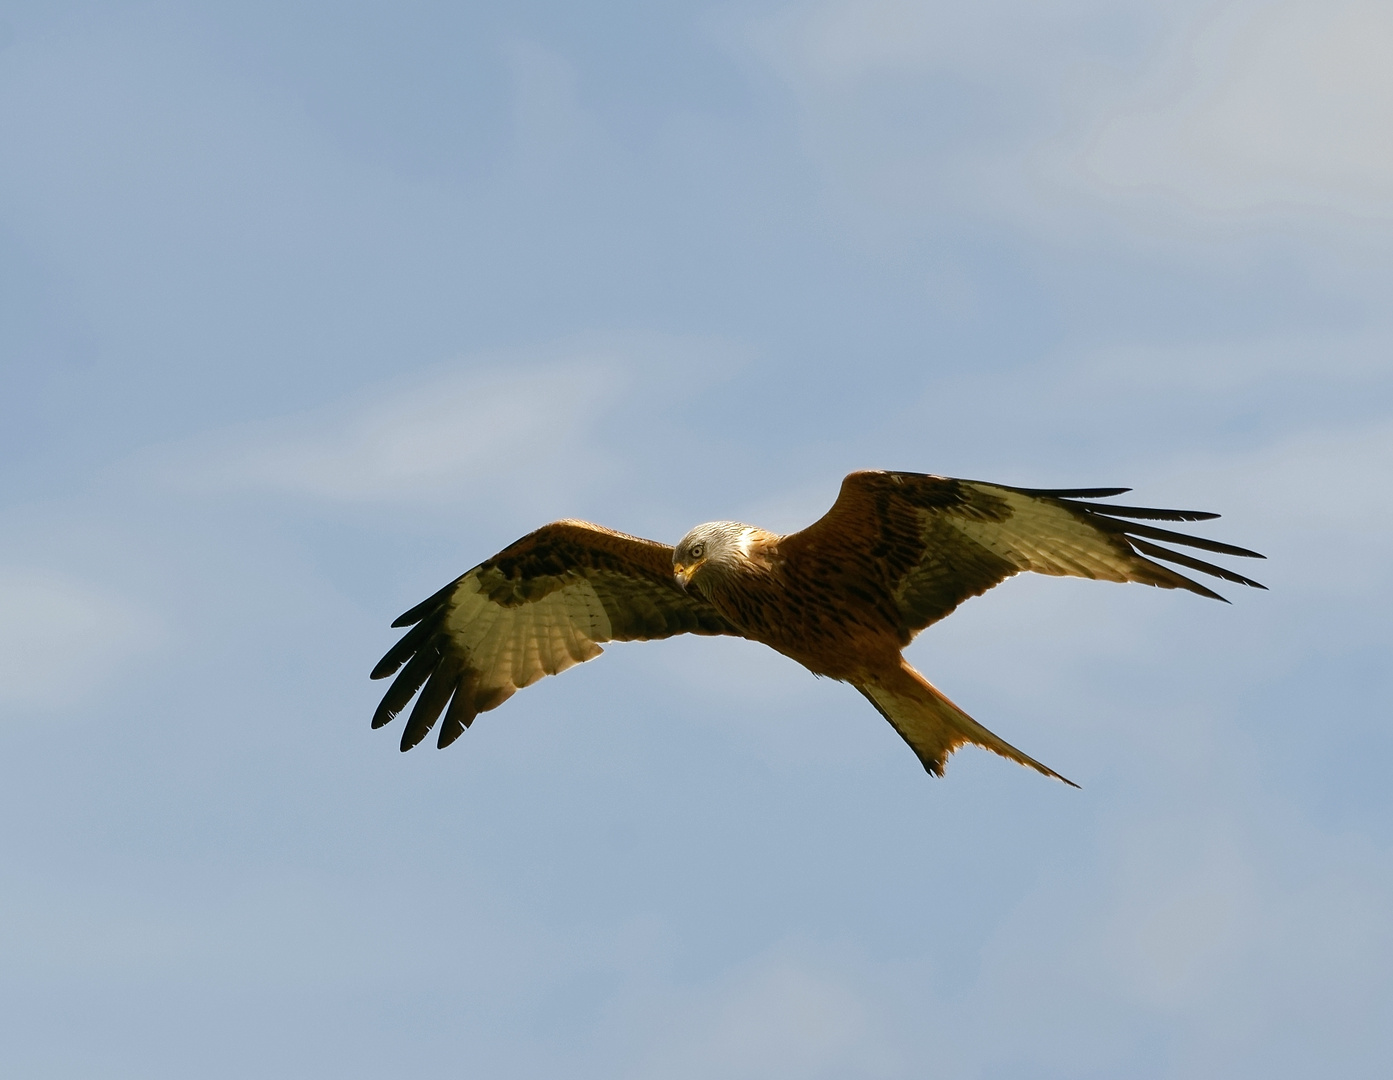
(713, 551)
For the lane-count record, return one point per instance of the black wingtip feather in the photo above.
(434, 697)
(417, 670)
(425, 607)
(402, 651)
(461, 712)
(1073, 493)
(1188, 561)
(1152, 513)
(1189, 541)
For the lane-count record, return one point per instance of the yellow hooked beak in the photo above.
(683, 574)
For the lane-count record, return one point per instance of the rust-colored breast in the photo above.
(823, 606)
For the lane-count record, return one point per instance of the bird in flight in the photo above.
(897, 552)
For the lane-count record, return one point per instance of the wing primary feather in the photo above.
(443, 682)
(1150, 512)
(1181, 538)
(1067, 493)
(462, 711)
(1158, 552)
(406, 684)
(426, 606)
(402, 651)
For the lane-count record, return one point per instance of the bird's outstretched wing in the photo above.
(539, 606)
(935, 541)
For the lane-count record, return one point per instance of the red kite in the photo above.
(897, 552)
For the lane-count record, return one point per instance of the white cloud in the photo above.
(492, 426)
(453, 433)
(60, 637)
(843, 42)
(1232, 369)
(1242, 932)
(917, 109)
(1180, 924)
(1322, 498)
(1262, 108)
(550, 126)
(1236, 928)
(782, 1017)
(529, 428)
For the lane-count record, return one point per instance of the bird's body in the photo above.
(828, 617)
(843, 597)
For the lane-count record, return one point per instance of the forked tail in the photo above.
(932, 725)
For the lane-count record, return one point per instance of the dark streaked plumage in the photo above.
(843, 597)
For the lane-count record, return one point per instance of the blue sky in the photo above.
(305, 308)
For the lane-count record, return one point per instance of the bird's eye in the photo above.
(697, 550)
